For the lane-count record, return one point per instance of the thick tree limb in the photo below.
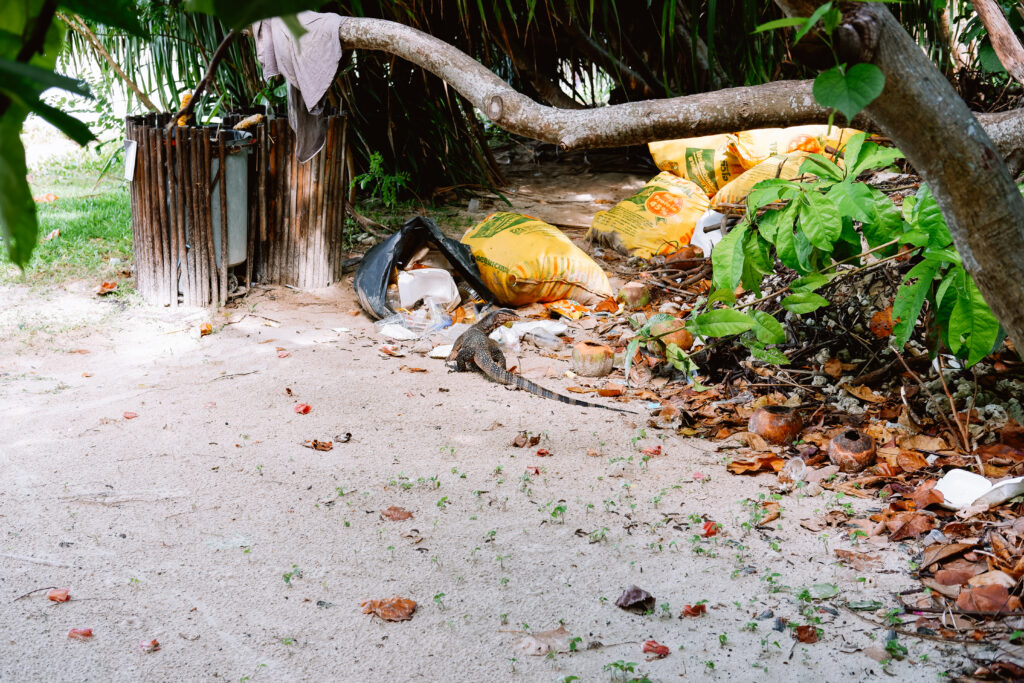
(782, 103)
(1004, 41)
(76, 24)
(218, 55)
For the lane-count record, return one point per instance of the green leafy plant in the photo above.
(376, 182)
(817, 224)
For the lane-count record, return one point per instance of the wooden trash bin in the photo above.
(196, 189)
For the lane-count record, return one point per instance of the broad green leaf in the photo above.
(811, 21)
(886, 225)
(874, 156)
(727, 258)
(854, 200)
(122, 14)
(852, 151)
(17, 210)
(928, 217)
(909, 298)
(757, 261)
(972, 324)
(40, 79)
(645, 330)
(758, 351)
(815, 164)
(771, 190)
(824, 591)
(820, 220)
(770, 223)
(811, 282)
(804, 249)
(724, 295)
(848, 245)
(804, 302)
(238, 15)
(849, 90)
(723, 322)
(767, 329)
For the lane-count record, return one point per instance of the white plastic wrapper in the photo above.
(707, 240)
(429, 285)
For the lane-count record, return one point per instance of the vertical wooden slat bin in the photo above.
(305, 212)
(182, 208)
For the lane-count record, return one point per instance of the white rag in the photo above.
(309, 65)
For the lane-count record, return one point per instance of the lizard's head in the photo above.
(501, 316)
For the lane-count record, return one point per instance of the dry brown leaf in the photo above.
(950, 592)
(909, 525)
(759, 463)
(953, 577)
(611, 389)
(942, 551)
(392, 609)
(863, 393)
(910, 461)
(319, 445)
(860, 561)
(395, 514)
(808, 633)
(993, 578)
(636, 599)
(991, 599)
(581, 390)
(922, 442)
(106, 288)
(925, 494)
(882, 323)
(772, 510)
(833, 368)
(409, 368)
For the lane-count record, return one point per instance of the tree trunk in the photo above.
(941, 138)
(1004, 41)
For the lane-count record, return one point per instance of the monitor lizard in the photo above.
(474, 349)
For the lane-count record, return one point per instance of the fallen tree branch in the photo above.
(218, 55)
(781, 103)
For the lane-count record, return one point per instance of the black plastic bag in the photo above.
(374, 272)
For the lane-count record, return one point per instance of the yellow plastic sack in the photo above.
(524, 260)
(786, 166)
(708, 161)
(659, 219)
(754, 146)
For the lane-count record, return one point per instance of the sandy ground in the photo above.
(182, 523)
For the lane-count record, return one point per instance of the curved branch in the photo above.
(782, 103)
(1004, 40)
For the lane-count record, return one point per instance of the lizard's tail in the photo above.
(500, 374)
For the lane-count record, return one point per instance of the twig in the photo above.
(370, 226)
(931, 396)
(235, 374)
(218, 55)
(31, 592)
(952, 406)
(36, 560)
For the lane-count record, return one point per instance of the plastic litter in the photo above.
(407, 325)
(961, 489)
(707, 240)
(509, 337)
(375, 271)
(430, 285)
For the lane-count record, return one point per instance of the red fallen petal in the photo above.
(80, 633)
(532, 469)
(542, 452)
(283, 354)
(129, 415)
(655, 648)
(652, 450)
(694, 610)
(303, 408)
(710, 529)
(59, 594)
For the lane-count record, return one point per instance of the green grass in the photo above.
(94, 223)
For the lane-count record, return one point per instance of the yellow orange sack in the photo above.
(785, 166)
(708, 161)
(524, 260)
(751, 147)
(659, 219)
